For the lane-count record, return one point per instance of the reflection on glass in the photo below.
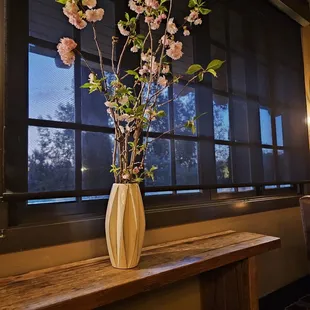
(226, 190)
(279, 130)
(184, 108)
(236, 31)
(217, 23)
(158, 193)
(159, 124)
(51, 159)
(265, 125)
(238, 75)
(51, 200)
(158, 154)
(271, 187)
(94, 112)
(268, 163)
(222, 158)
(189, 191)
(286, 186)
(96, 160)
(221, 118)
(283, 165)
(245, 189)
(186, 154)
(240, 113)
(51, 86)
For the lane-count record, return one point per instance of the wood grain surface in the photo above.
(92, 283)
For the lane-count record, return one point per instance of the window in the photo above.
(58, 140)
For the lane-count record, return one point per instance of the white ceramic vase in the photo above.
(125, 225)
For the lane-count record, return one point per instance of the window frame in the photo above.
(156, 209)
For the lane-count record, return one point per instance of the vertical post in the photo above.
(232, 287)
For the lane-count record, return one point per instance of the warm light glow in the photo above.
(308, 120)
(240, 204)
(83, 169)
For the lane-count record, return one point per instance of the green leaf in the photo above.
(193, 69)
(86, 85)
(153, 168)
(200, 76)
(190, 125)
(204, 11)
(161, 113)
(200, 115)
(141, 36)
(215, 64)
(62, 1)
(192, 3)
(132, 72)
(127, 16)
(213, 72)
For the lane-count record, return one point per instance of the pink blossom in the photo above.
(139, 9)
(144, 57)
(198, 21)
(89, 3)
(152, 3)
(135, 170)
(171, 27)
(165, 40)
(91, 77)
(124, 117)
(123, 100)
(148, 19)
(143, 70)
(165, 69)
(94, 15)
(134, 49)
(162, 81)
(156, 23)
(126, 176)
(175, 50)
(65, 49)
(71, 10)
(122, 30)
(186, 32)
(192, 16)
(110, 104)
(163, 16)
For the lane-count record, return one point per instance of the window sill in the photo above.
(28, 237)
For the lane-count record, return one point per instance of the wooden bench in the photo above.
(223, 261)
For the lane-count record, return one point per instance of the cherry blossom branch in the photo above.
(122, 55)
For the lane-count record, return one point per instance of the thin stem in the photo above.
(121, 56)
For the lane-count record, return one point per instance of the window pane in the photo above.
(283, 165)
(51, 159)
(94, 111)
(220, 83)
(236, 31)
(159, 155)
(50, 97)
(96, 160)
(221, 118)
(186, 160)
(279, 130)
(265, 126)
(47, 21)
(240, 122)
(217, 24)
(238, 75)
(159, 124)
(241, 164)
(184, 108)
(268, 162)
(222, 158)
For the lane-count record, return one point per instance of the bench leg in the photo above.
(232, 287)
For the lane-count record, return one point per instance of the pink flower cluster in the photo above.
(154, 4)
(194, 18)
(139, 9)
(76, 16)
(175, 50)
(155, 23)
(65, 49)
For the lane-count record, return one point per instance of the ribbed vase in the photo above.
(125, 225)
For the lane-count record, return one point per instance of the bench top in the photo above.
(92, 283)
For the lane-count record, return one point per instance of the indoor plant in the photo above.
(132, 103)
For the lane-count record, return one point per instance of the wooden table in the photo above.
(223, 261)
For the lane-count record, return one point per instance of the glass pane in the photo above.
(96, 160)
(51, 200)
(263, 83)
(51, 160)
(241, 164)
(217, 24)
(94, 111)
(283, 165)
(236, 31)
(51, 97)
(184, 108)
(265, 126)
(245, 189)
(268, 162)
(47, 21)
(186, 160)
(279, 130)
(238, 75)
(221, 118)
(159, 155)
(240, 122)
(105, 31)
(226, 190)
(222, 158)
(220, 83)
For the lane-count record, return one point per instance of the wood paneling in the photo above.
(93, 283)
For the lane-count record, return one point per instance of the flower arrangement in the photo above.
(134, 105)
